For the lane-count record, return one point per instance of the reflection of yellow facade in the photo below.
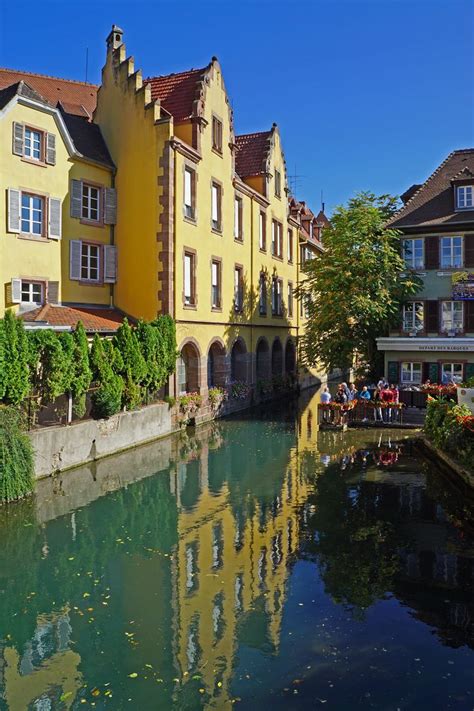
(24, 684)
(228, 569)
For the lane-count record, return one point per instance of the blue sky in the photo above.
(368, 95)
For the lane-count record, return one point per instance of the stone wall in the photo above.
(60, 448)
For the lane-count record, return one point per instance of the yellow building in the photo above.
(58, 210)
(161, 208)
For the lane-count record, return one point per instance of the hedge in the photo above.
(450, 427)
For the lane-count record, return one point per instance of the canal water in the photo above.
(255, 563)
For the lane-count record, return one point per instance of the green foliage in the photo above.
(134, 368)
(152, 347)
(445, 428)
(355, 289)
(107, 399)
(51, 362)
(82, 372)
(16, 457)
(15, 377)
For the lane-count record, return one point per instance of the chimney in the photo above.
(115, 38)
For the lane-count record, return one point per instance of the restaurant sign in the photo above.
(463, 286)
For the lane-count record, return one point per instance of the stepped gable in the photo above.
(177, 92)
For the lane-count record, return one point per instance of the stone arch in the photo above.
(188, 367)
(290, 357)
(263, 364)
(277, 357)
(238, 361)
(217, 364)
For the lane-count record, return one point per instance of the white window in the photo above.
(465, 197)
(32, 214)
(90, 258)
(238, 218)
(189, 279)
(216, 284)
(31, 292)
(411, 372)
(290, 245)
(451, 373)
(33, 146)
(451, 252)
(276, 294)
(217, 134)
(452, 316)
(413, 316)
(262, 231)
(189, 193)
(90, 202)
(216, 206)
(413, 253)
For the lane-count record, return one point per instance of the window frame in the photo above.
(216, 225)
(262, 294)
(452, 377)
(411, 370)
(262, 231)
(290, 298)
(88, 186)
(32, 283)
(217, 134)
(216, 304)
(42, 134)
(277, 183)
(100, 262)
(277, 296)
(190, 303)
(452, 303)
(238, 288)
(464, 188)
(414, 265)
(238, 218)
(413, 313)
(452, 264)
(290, 248)
(277, 239)
(44, 218)
(189, 211)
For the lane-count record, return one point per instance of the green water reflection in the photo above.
(256, 560)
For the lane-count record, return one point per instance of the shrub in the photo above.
(15, 383)
(82, 374)
(107, 399)
(16, 457)
(134, 368)
(448, 426)
(216, 397)
(239, 390)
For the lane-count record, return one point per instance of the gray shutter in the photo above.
(110, 264)
(18, 138)
(16, 291)
(54, 231)
(110, 211)
(53, 292)
(50, 149)
(76, 198)
(14, 197)
(75, 259)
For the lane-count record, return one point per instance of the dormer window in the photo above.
(464, 195)
(33, 146)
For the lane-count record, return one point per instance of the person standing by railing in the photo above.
(364, 397)
(377, 405)
(326, 398)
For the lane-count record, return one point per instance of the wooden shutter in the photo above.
(18, 132)
(50, 149)
(431, 252)
(110, 206)
(15, 291)
(110, 264)
(76, 198)
(432, 315)
(469, 316)
(75, 259)
(53, 292)
(430, 372)
(54, 221)
(14, 198)
(469, 251)
(469, 371)
(393, 371)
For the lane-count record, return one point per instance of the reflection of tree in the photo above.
(353, 538)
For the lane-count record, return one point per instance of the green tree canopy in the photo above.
(354, 291)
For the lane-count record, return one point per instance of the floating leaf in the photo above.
(133, 675)
(65, 696)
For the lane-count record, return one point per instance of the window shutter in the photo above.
(53, 292)
(432, 315)
(469, 251)
(393, 371)
(76, 198)
(18, 130)
(14, 210)
(54, 231)
(110, 264)
(469, 371)
(432, 252)
(469, 316)
(110, 212)
(16, 291)
(50, 149)
(75, 259)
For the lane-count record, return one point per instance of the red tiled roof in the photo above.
(433, 203)
(322, 219)
(92, 319)
(77, 95)
(251, 153)
(177, 92)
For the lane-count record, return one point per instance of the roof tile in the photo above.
(77, 95)
(177, 92)
(93, 319)
(251, 153)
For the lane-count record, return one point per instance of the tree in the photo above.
(134, 366)
(107, 398)
(354, 291)
(15, 385)
(82, 372)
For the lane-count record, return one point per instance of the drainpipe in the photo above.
(112, 242)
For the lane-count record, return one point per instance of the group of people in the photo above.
(384, 399)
